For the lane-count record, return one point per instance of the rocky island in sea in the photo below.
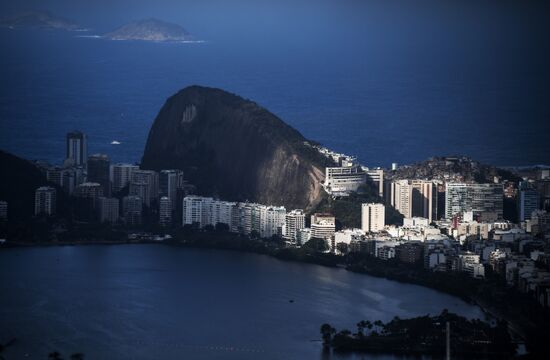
(38, 19)
(150, 30)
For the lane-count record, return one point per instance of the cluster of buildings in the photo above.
(257, 220)
(110, 193)
(449, 225)
(452, 225)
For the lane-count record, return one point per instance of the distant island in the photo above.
(150, 30)
(38, 19)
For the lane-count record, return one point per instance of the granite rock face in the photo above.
(234, 149)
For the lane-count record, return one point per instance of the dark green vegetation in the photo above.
(234, 149)
(219, 238)
(150, 30)
(347, 210)
(20, 178)
(424, 335)
(36, 19)
(526, 317)
(58, 356)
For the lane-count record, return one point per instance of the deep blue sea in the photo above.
(489, 102)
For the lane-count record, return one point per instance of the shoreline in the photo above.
(276, 253)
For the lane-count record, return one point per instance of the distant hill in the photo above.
(233, 148)
(456, 168)
(38, 19)
(20, 178)
(150, 30)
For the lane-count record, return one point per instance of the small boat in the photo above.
(114, 142)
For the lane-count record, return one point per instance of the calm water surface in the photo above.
(155, 301)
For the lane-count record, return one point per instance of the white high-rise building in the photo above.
(424, 199)
(528, 200)
(77, 149)
(377, 177)
(169, 183)
(197, 210)
(372, 217)
(150, 180)
(132, 207)
(45, 201)
(401, 197)
(165, 211)
(482, 198)
(414, 198)
(222, 213)
(72, 177)
(259, 218)
(121, 175)
(239, 217)
(245, 217)
(294, 221)
(275, 221)
(108, 210)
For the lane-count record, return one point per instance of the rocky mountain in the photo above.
(150, 30)
(455, 168)
(37, 19)
(234, 149)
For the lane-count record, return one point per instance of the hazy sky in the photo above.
(311, 19)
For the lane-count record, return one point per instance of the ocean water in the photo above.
(161, 302)
(380, 103)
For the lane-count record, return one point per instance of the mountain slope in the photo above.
(20, 178)
(232, 148)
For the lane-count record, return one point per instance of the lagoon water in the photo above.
(156, 301)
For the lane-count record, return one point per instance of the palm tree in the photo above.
(360, 328)
(345, 333)
(369, 325)
(327, 333)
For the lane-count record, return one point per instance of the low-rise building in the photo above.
(323, 226)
